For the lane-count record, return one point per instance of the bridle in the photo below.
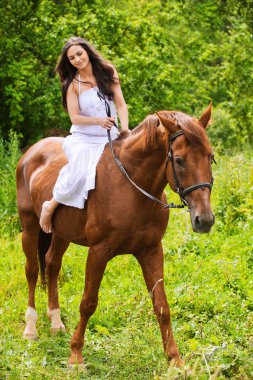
(170, 157)
(181, 192)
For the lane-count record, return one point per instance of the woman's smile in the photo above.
(80, 63)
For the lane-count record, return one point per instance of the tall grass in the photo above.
(208, 280)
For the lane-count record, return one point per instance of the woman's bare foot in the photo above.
(47, 211)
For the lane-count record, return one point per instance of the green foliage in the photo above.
(169, 54)
(9, 155)
(234, 208)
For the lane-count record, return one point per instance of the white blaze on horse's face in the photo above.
(189, 167)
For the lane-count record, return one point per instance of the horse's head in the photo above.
(188, 167)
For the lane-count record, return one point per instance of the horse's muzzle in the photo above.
(202, 223)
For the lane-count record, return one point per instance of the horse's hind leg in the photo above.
(151, 262)
(53, 266)
(95, 267)
(30, 236)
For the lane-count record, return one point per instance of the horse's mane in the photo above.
(149, 126)
(193, 131)
(123, 135)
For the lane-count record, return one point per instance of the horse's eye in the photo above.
(179, 162)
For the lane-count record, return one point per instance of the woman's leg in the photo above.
(47, 211)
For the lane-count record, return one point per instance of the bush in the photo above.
(169, 55)
(234, 197)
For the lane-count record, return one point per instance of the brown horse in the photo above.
(168, 147)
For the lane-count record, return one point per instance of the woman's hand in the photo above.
(106, 122)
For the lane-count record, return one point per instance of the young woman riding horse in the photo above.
(87, 80)
(167, 147)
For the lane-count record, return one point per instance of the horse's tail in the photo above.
(43, 246)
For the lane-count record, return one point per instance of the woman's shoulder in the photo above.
(75, 80)
(73, 86)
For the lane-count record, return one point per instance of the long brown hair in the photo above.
(103, 71)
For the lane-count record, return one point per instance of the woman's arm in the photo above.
(77, 119)
(120, 104)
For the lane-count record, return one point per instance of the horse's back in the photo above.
(40, 154)
(37, 171)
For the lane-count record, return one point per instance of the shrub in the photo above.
(234, 192)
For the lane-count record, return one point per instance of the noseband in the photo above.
(170, 157)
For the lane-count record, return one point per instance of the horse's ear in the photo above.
(166, 121)
(205, 118)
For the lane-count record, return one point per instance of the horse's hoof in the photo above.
(30, 336)
(76, 359)
(56, 330)
(177, 362)
(81, 367)
(56, 323)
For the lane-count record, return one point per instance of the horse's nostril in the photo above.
(203, 223)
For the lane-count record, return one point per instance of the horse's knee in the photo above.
(32, 270)
(88, 307)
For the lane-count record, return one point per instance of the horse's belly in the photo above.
(122, 239)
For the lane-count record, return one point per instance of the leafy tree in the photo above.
(176, 54)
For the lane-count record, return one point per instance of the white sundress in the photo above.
(83, 149)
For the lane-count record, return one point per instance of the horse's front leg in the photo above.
(151, 262)
(53, 266)
(95, 267)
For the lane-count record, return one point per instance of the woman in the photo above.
(89, 85)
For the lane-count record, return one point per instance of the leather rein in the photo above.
(181, 192)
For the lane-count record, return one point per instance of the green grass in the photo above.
(209, 285)
(210, 294)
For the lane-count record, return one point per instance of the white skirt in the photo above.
(79, 175)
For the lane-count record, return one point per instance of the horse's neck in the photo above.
(144, 162)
